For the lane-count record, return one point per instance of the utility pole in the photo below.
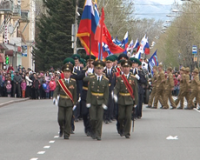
(75, 28)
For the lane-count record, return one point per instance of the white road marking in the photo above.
(34, 159)
(46, 147)
(172, 138)
(51, 141)
(56, 136)
(196, 110)
(41, 152)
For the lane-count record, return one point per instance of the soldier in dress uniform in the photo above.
(110, 74)
(118, 72)
(87, 72)
(66, 90)
(77, 70)
(126, 95)
(169, 87)
(141, 81)
(183, 89)
(154, 82)
(195, 84)
(160, 86)
(97, 98)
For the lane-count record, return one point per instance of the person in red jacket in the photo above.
(52, 86)
(10, 68)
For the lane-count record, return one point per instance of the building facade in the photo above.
(17, 32)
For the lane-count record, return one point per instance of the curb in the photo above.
(13, 101)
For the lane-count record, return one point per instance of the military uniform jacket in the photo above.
(183, 85)
(98, 91)
(161, 80)
(154, 79)
(170, 82)
(195, 84)
(124, 97)
(64, 100)
(187, 79)
(111, 78)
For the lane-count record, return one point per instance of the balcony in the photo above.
(6, 6)
(17, 10)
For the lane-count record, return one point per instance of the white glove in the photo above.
(74, 107)
(88, 105)
(135, 106)
(55, 101)
(79, 99)
(115, 98)
(138, 77)
(112, 93)
(104, 106)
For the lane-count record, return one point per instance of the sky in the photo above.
(164, 1)
(157, 9)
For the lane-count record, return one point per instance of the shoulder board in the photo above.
(92, 76)
(73, 79)
(105, 77)
(74, 73)
(132, 76)
(103, 73)
(85, 68)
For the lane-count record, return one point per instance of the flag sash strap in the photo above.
(128, 86)
(65, 89)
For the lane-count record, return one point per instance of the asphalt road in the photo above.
(29, 130)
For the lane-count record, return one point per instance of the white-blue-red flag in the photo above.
(153, 61)
(136, 45)
(125, 41)
(146, 47)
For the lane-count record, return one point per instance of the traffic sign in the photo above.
(194, 49)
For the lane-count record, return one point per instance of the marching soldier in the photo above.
(160, 86)
(126, 88)
(97, 99)
(188, 83)
(169, 88)
(195, 84)
(66, 90)
(183, 88)
(87, 72)
(77, 71)
(110, 74)
(154, 82)
(141, 81)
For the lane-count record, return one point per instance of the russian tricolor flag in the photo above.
(87, 28)
(137, 44)
(146, 48)
(125, 41)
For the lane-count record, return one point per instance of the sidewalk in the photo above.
(5, 100)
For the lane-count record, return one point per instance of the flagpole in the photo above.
(90, 46)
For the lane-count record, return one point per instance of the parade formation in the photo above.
(103, 91)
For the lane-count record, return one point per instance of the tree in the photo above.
(54, 40)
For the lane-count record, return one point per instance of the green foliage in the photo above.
(53, 44)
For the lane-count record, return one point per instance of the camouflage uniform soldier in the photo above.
(195, 84)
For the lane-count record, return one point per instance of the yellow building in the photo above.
(17, 32)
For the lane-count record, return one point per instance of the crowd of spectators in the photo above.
(24, 83)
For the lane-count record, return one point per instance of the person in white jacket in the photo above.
(28, 85)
